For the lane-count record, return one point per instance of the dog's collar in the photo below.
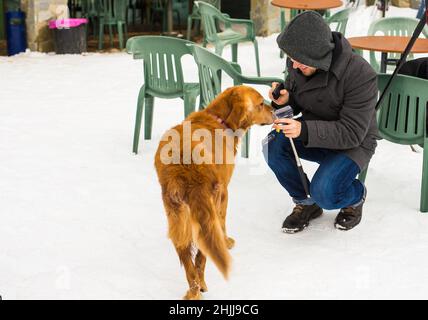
(219, 120)
(238, 133)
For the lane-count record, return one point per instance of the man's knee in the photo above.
(276, 152)
(325, 193)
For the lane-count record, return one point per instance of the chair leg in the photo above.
(179, 22)
(189, 27)
(101, 36)
(235, 52)
(148, 117)
(245, 148)
(120, 32)
(110, 33)
(256, 50)
(140, 107)
(189, 103)
(125, 27)
(94, 27)
(363, 174)
(424, 188)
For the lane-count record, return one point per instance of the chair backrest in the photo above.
(89, 8)
(113, 9)
(215, 3)
(402, 114)
(340, 20)
(158, 4)
(209, 16)
(163, 71)
(210, 67)
(394, 26)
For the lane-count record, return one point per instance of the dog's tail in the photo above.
(207, 230)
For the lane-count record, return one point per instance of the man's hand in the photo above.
(291, 128)
(283, 98)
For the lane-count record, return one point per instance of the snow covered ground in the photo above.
(81, 216)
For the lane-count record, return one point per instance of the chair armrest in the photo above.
(249, 24)
(236, 66)
(262, 81)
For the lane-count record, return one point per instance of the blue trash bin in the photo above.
(15, 32)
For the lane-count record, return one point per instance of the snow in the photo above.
(82, 217)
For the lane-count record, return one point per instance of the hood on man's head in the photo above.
(308, 40)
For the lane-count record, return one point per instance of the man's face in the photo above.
(306, 70)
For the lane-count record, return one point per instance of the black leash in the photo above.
(403, 57)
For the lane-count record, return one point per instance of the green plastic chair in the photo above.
(90, 12)
(402, 119)
(394, 26)
(211, 16)
(163, 77)
(339, 20)
(112, 14)
(158, 8)
(210, 68)
(196, 16)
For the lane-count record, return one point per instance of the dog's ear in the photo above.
(240, 106)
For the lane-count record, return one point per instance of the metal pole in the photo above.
(302, 173)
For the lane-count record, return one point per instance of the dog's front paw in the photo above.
(193, 295)
(203, 285)
(230, 243)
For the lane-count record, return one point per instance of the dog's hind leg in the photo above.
(200, 262)
(223, 211)
(194, 292)
(180, 233)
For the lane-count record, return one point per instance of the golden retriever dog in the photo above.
(194, 174)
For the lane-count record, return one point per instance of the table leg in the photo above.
(384, 3)
(383, 62)
(170, 20)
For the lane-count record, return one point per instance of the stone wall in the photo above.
(266, 17)
(38, 13)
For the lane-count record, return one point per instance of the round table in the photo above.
(307, 4)
(385, 44)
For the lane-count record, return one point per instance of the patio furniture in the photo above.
(210, 68)
(396, 26)
(195, 15)
(112, 13)
(211, 16)
(90, 12)
(402, 119)
(339, 20)
(387, 44)
(163, 77)
(159, 9)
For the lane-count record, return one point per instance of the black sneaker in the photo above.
(349, 217)
(300, 217)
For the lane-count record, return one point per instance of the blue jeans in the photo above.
(333, 186)
(421, 10)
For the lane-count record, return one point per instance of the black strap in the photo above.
(416, 33)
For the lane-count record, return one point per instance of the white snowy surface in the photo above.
(81, 216)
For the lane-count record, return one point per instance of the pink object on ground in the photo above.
(66, 23)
